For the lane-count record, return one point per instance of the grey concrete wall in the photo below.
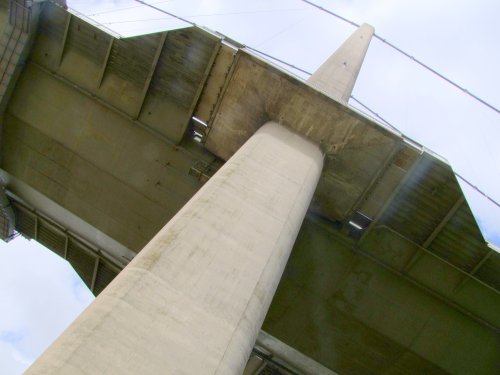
(91, 160)
(95, 125)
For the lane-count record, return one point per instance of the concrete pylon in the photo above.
(194, 299)
(337, 75)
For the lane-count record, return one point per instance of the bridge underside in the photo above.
(99, 147)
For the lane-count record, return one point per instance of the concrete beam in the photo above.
(94, 275)
(105, 63)
(67, 28)
(289, 356)
(151, 73)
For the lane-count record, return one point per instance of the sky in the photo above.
(40, 295)
(458, 38)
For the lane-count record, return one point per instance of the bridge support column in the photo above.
(194, 299)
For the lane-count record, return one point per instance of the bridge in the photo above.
(105, 140)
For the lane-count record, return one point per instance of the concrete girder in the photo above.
(105, 63)
(67, 27)
(151, 73)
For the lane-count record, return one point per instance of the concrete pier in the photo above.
(194, 299)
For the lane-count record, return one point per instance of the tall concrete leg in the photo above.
(337, 75)
(194, 299)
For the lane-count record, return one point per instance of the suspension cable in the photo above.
(277, 59)
(333, 14)
(165, 12)
(477, 189)
(377, 116)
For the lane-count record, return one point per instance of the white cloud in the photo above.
(11, 362)
(40, 298)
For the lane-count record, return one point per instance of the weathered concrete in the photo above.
(16, 38)
(193, 300)
(81, 166)
(7, 218)
(337, 75)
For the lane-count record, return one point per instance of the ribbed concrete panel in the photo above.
(131, 58)
(489, 273)
(423, 201)
(80, 255)
(25, 222)
(105, 274)
(52, 239)
(173, 77)
(82, 261)
(89, 41)
(460, 242)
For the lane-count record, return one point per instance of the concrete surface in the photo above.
(337, 75)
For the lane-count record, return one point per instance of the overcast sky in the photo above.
(40, 295)
(456, 37)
